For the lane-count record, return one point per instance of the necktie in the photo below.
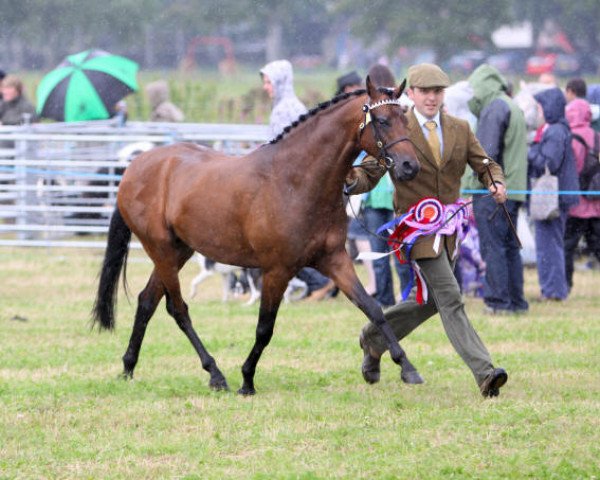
(434, 141)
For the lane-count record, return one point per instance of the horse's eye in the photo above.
(383, 122)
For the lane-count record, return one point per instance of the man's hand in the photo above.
(498, 191)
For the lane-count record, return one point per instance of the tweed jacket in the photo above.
(460, 147)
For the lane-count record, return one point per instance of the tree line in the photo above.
(37, 34)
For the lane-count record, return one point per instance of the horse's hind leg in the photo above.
(178, 309)
(272, 292)
(340, 269)
(148, 300)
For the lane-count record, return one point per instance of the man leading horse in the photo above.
(444, 146)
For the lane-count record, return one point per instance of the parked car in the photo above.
(567, 65)
(563, 64)
(511, 61)
(541, 63)
(465, 62)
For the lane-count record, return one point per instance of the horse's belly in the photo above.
(210, 229)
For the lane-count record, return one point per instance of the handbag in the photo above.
(543, 204)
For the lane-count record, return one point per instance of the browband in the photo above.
(388, 101)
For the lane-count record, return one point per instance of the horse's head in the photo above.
(383, 133)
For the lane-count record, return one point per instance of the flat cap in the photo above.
(427, 75)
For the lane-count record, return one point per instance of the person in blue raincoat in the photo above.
(593, 96)
(552, 149)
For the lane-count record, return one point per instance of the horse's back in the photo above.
(156, 175)
(196, 193)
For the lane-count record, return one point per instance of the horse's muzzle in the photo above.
(404, 167)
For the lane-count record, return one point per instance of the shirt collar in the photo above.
(422, 118)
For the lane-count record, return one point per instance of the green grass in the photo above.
(65, 414)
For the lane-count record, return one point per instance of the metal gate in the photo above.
(58, 182)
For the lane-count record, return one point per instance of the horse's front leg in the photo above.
(274, 285)
(340, 269)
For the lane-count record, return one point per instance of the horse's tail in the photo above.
(115, 259)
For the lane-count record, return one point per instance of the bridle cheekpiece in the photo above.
(383, 156)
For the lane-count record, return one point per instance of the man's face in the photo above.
(267, 85)
(428, 101)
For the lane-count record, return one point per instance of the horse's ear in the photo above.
(400, 88)
(371, 90)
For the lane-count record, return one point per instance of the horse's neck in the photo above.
(325, 146)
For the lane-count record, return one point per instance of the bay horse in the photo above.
(279, 208)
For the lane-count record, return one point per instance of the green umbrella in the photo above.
(86, 86)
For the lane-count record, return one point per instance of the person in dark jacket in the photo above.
(552, 149)
(502, 132)
(15, 109)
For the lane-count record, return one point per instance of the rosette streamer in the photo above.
(427, 217)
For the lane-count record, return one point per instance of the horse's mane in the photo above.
(319, 108)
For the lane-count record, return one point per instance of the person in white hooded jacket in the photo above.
(278, 82)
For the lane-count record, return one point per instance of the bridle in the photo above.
(384, 158)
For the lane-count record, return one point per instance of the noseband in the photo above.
(384, 158)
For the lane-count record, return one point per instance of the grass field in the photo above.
(65, 414)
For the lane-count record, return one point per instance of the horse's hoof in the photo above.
(412, 378)
(126, 375)
(219, 384)
(246, 392)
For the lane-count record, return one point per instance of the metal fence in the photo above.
(58, 182)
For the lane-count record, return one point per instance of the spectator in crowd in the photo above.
(120, 113)
(379, 209)
(349, 82)
(552, 148)
(444, 145)
(470, 267)
(2, 75)
(593, 96)
(15, 109)
(548, 79)
(583, 219)
(576, 88)
(278, 82)
(502, 133)
(163, 110)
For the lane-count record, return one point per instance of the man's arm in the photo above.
(364, 177)
(482, 165)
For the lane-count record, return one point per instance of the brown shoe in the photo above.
(370, 364)
(322, 292)
(490, 387)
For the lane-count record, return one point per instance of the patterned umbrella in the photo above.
(86, 86)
